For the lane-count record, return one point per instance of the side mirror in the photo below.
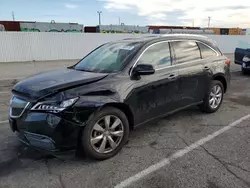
(143, 69)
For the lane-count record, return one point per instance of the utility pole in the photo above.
(99, 13)
(13, 16)
(119, 20)
(209, 19)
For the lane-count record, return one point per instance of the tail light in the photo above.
(228, 62)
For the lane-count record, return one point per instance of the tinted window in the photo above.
(157, 55)
(186, 51)
(111, 57)
(206, 51)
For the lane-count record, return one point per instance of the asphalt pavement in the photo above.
(222, 162)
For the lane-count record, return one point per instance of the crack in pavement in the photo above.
(224, 163)
(61, 181)
(183, 140)
(207, 125)
(46, 162)
(226, 167)
(159, 132)
(241, 127)
(151, 145)
(237, 166)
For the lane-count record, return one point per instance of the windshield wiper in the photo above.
(85, 70)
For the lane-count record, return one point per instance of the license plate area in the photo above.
(246, 65)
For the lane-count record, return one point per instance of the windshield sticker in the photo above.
(127, 47)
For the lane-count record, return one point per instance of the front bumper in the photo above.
(37, 141)
(47, 132)
(245, 65)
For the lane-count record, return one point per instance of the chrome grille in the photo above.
(17, 107)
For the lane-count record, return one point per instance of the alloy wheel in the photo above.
(107, 134)
(215, 96)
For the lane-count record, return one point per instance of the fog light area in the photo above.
(53, 120)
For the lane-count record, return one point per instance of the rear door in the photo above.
(194, 79)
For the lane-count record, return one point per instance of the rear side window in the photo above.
(186, 51)
(206, 51)
(158, 55)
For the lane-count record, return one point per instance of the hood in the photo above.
(50, 82)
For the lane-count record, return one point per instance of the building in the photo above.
(226, 31)
(122, 29)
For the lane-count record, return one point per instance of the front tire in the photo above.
(213, 98)
(105, 133)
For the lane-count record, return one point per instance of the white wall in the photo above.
(18, 46)
(25, 46)
(228, 43)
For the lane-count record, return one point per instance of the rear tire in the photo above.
(213, 98)
(105, 133)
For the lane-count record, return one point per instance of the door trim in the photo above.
(171, 53)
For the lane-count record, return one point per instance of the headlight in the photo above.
(246, 59)
(55, 107)
(68, 102)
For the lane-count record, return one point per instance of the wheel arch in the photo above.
(222, 79)
(126, 110)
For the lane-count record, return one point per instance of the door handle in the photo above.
(206, 68)
(172, 77)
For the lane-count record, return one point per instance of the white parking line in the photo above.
(178, 154)
(5, 92)
(6, 121)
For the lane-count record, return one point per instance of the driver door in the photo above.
(156, 94)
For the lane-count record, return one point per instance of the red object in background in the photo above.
(228, 62)
(11, 25)
(90, 29)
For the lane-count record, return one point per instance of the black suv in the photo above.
(93, 105)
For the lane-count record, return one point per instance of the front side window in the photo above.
(158, 55)
(206, 51)
(186, 51)
(111, 57)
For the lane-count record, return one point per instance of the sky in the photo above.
(223, 13)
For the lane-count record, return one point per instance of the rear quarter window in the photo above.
(206, 51)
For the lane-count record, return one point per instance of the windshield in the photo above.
(111, 57)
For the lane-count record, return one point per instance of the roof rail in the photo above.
(179, 34)
(142, 37)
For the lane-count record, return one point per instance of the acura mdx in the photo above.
(93, 105)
